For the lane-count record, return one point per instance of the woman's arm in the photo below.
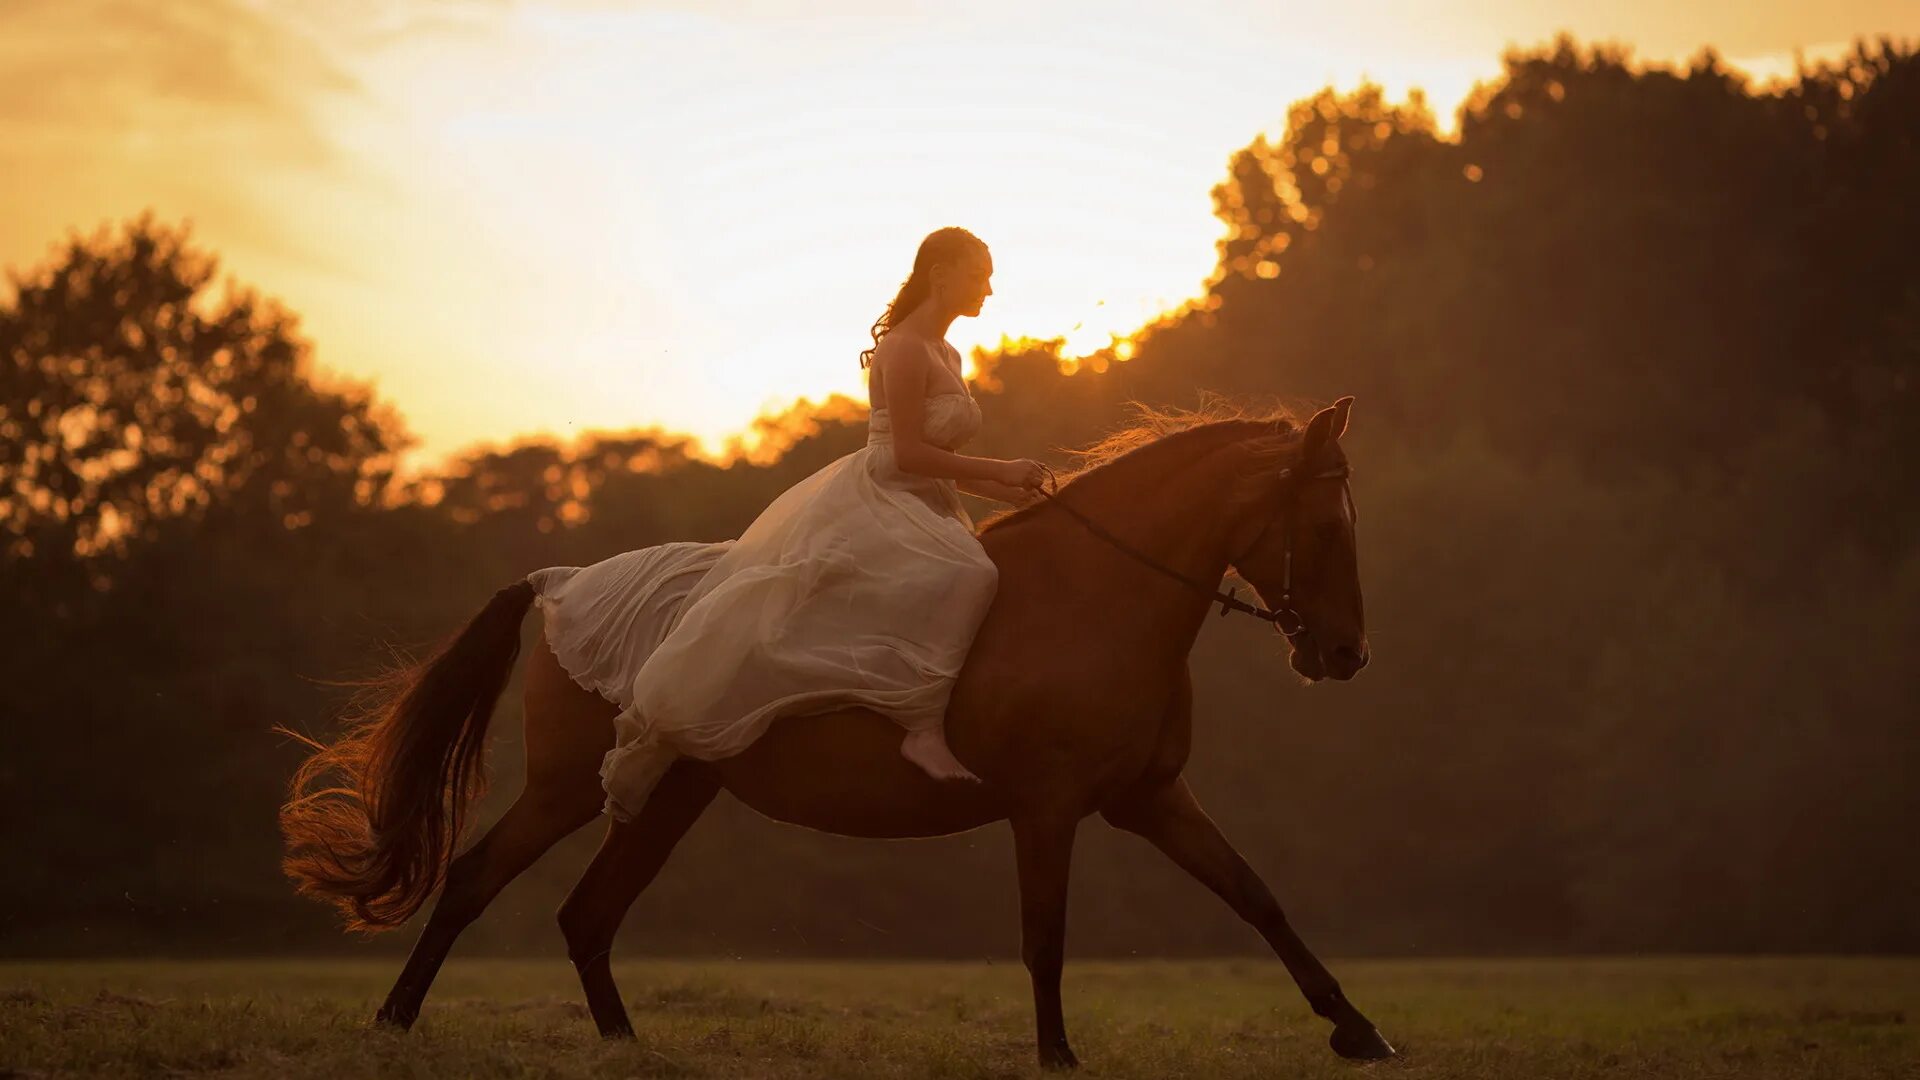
(906, 396)
(997, 491)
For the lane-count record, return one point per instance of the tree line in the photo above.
(1636, 355)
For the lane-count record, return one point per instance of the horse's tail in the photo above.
(371, 821)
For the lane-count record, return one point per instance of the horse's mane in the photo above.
(1159, 425)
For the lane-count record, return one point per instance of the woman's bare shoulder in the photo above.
(899, 350)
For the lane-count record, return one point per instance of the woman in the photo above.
(861, 585)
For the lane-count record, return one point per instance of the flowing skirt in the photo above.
(860, 585)
(604, 620)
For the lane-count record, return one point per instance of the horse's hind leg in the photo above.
(1173, 821)
(568, 731)
(629, 858)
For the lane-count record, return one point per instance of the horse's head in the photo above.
(1295, 546)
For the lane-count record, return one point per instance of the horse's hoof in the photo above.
(622, 1031)
(1360, 1042)
(393, 1019)
(1058, 1058)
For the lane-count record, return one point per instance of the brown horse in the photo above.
(1074, 700)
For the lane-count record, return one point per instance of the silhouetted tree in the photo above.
(1636, 355)
(134, 396)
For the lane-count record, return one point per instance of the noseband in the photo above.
(1284, 618)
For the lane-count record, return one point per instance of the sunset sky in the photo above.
(564, 216)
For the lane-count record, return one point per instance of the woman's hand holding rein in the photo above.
(1023, 473)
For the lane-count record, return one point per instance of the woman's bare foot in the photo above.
(928, 749)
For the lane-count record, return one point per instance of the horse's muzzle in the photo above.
(1346, 661)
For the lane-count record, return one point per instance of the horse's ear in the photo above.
(1327, 426)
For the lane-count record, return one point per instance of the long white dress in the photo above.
(860, 585)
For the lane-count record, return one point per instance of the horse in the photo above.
(1075, 699)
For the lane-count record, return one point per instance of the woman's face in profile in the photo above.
(965, 284)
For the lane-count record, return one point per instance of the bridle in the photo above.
(1284, 618)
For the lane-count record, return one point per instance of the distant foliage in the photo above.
(1636, 356)
(135, 396)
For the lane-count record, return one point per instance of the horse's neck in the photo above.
(1172, 510)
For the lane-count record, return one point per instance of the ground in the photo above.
(1830, 1018)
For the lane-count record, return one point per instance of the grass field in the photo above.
(1682, 1018)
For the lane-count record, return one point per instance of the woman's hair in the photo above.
(941, 246)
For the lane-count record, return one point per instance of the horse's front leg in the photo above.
(1044, 849)
(1172, 820)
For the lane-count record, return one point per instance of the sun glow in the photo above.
(560, 217)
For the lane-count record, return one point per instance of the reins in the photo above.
(1284, 618)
